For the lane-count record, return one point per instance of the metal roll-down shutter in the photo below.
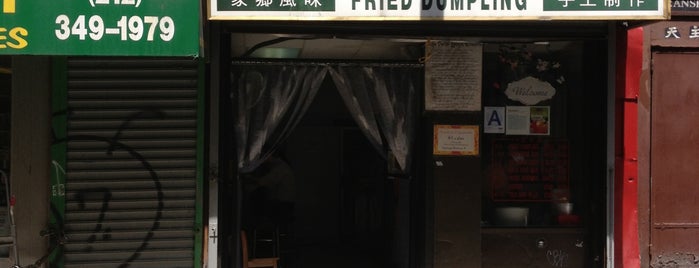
(131, 162)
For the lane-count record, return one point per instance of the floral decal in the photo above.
(518, 61)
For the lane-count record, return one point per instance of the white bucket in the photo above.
(511, 216)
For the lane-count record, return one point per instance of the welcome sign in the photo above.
(437, 9)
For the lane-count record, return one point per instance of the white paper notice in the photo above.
(453, 76)
(527, 120)
(517, 120)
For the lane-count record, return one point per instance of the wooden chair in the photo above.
(256, 262)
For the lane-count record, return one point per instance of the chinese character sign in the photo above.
(437, 9)
(277, 5)
(675, 34)
(100, 27)
(601, 5)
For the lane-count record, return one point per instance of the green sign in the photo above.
(599, 5)
(282, 5)
(100, 27)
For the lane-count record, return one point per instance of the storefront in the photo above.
(106, 140)
(428, 135)
(420, 133)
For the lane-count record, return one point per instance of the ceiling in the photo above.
(276, 46)
(255, 45)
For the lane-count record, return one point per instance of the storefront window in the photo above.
(535, 122)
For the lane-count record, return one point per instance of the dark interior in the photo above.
(345, 200)
(346, 212)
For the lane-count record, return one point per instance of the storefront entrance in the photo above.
(346, 129)
(346, 203)
(360, 203)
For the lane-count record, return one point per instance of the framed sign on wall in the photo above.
(456, 140)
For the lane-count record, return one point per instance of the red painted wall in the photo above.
(628, 75)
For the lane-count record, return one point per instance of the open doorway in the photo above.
(346, 137)
(342, 209)
(350, 208)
